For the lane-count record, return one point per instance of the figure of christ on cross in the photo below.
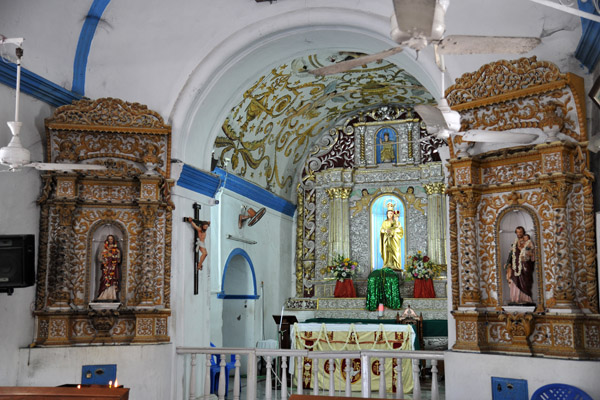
(200, 227)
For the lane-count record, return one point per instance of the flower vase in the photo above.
(344, 288)
(423, 288)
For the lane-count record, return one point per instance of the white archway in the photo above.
(219, 80)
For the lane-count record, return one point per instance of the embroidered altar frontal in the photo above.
(349, 337)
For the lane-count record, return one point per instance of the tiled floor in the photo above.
(425, 391)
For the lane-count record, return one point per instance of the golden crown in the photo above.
(390, 206)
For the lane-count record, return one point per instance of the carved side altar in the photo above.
(105, 236)
(546, 188)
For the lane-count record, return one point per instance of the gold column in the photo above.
(339, 223)
(436, 222)
(564, 291)
(469, 266)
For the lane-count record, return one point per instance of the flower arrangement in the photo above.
(418, 266)
(343, 268)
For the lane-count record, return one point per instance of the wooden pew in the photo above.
(62, 392)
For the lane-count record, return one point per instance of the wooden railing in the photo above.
(281, 358)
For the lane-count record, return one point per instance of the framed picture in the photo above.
(595, 92)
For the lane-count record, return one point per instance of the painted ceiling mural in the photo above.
(268, 134)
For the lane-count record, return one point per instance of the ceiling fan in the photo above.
(419, 23)
(14, 155)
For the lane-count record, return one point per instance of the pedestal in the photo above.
(344, 288)
(424, 288)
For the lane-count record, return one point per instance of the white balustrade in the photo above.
(278, 368)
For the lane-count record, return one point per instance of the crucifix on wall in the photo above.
(200, 253)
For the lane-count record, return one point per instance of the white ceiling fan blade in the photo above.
(65, 167)
(415, 17)
(594, 144)
(509, 136)
(350, 64)
(432, 116)
(466, 44)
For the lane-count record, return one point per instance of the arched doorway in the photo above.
(238, 294)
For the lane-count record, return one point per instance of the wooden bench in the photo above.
(62, 392)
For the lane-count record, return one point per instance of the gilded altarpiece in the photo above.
(549, 185)
(129, 200)
(344, 175)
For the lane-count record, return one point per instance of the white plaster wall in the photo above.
(469, 375)
(139, 367)
(190, 321)
(272, 257)
(19, 214)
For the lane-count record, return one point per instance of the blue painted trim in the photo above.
(256, 193)
(222, 294)
(85, 42)
(588, 49)
(199, 181)
(36, 86)
(207, 183)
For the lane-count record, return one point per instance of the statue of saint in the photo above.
(391, 235)
(109, 259)
(519, 268)
(387, 149)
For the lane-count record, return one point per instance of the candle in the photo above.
(78, 386)
(116, 383)
(110, 384)
(281, 318)
(380, 310)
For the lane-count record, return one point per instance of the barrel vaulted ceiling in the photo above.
(271, 129)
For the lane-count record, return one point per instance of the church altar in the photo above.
(348, 337)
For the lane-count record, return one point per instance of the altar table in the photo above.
(340, 337)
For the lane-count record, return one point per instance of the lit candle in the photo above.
(380, 310)
(116, 383)
(78, 386)
(109, 384)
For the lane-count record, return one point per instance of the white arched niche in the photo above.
(508, 221)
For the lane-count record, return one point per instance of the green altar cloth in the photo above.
(383, 287)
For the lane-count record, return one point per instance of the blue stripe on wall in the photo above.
(199, 181)
(588, 49)
(36, 86)
(208, 183)
(85, 42)
(256, 193)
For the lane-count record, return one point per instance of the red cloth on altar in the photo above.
(344, 289)
(424, 288)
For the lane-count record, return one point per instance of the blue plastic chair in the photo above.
(560, 391)
(215, 371)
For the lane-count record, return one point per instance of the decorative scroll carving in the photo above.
(518, 324)
(507, 173)
(103, 321)
(501, 78)
(108, 112)
(453, 228)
